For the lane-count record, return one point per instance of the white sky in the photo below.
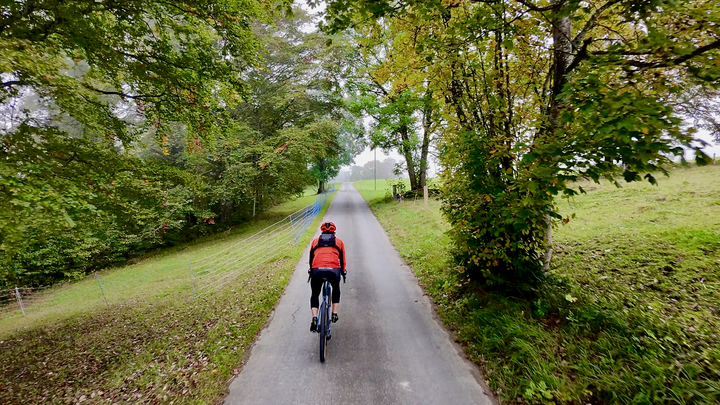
(368, 155)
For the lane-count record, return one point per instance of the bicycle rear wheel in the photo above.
(323, 331)
(324, 321)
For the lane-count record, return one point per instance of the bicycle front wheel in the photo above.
(323, 326)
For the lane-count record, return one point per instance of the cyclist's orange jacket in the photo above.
(327, 256)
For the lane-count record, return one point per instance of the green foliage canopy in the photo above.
(126, 126)
(81, 82)
(173, 62)
(300, 86)
(391, 85)
(536, 95)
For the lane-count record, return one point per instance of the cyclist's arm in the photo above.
(312, 253)
(343, 261)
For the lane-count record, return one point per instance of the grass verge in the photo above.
(632, 311)
(159, 346)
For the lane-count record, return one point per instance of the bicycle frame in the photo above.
(324, 319)
(327, 301)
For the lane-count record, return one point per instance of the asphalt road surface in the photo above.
(387, 347)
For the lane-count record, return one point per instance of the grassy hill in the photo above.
(154, 343)
(633, 310)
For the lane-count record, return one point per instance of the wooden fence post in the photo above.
(425, 194)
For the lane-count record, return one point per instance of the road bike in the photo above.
(324, 319)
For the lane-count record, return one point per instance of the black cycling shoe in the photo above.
(313, 325)
(334, 318)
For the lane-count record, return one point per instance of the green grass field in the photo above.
(631, 314)
(154, 344)
(164, 273)
(377, 189)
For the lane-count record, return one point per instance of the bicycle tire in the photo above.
(324, 321)
(323, 332)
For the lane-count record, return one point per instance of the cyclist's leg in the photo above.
(335, 281)
(315, 285)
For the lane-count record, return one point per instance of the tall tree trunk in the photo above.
(422, 180)
(425, 148)
(321, 165)
(562, 56)
(407, 153)
(226, 211)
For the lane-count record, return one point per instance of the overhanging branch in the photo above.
(13, 83)
(124, 95)
(663, 63)
(580, 37)
(535, 7)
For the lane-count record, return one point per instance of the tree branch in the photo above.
(379, 86)
(665, 63)
(534, 7)
(146, 59)
(579, 57)
(124, 95)
(580, 37)
(12, 83)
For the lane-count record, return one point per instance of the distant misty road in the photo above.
(386, 349)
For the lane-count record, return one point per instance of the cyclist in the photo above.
(327, 259)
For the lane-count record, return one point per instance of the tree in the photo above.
(177, 62)
(392, 86)
(359, 173)
(300, 87)
(386, 169)
(537, 95)
(81, 82)
(127, 126)
(349, 143)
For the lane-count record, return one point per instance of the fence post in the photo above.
(425, 194)
(293, 231)
(101, 290)
(192, 281)
(19, 300)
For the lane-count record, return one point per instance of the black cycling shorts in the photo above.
(316, 279)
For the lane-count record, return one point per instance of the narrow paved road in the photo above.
(387, 347)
